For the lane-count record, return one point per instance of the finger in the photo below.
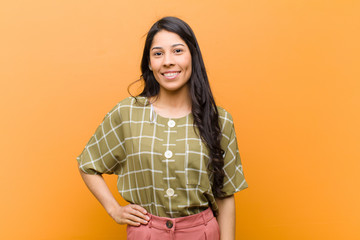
(138, 213)
(134, 218)
(132, 223)
(139, 208)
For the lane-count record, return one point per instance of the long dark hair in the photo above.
(204, 110)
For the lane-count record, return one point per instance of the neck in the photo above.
(172, 104)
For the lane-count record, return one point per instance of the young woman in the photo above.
(174, 151)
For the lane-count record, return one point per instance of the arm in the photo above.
(226, 217)
(130, 214)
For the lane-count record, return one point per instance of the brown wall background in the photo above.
(288, 71)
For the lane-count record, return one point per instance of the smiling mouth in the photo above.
(171, 75)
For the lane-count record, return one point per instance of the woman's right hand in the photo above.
(131, 214)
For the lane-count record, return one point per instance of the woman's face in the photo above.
(170, 61)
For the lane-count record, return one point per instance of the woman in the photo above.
(174, 151)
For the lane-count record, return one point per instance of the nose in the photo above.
(168, 60)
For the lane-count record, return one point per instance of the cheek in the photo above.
(154, 63)
(186, 63)
(189, 69)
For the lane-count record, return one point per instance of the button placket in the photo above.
(168, 154)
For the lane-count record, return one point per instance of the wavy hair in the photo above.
(204, 110)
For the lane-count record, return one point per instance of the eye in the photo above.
(157, 54)
(178, 50)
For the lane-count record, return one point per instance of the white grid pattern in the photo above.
(131, 142)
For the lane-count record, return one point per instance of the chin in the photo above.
(173, 88)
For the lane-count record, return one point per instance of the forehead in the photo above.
(166, 39)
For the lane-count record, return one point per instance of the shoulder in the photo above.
(225, 117)
(126, 107)
(132, 101)
(127, 103)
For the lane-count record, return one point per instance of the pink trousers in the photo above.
(201, 226)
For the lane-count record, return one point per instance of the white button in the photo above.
(171, 123)
(170, 192)
(168, 154)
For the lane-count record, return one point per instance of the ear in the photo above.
(150, 67)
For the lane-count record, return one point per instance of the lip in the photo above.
(171, 77)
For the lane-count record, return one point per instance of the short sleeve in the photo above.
(104, 151)
(234, 180)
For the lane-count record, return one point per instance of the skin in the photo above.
(168, 54)
(226, 217)
(130, 214)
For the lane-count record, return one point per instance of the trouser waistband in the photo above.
(182, 222)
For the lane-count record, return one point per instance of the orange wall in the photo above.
(288, 71)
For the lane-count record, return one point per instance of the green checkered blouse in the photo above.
(161, 162)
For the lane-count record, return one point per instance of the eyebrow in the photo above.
(174, 45)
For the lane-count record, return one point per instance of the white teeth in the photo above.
(171, 74)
